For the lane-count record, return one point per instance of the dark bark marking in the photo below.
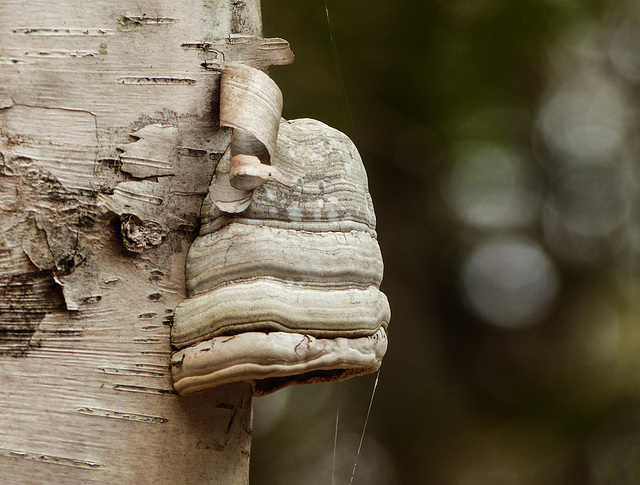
(232, 419)
(238, 16)
(64, 31)
(106, 413)
(155, 80)
(143, 389)
(51, 459)
(133, 22)
(132, 372)
(24, 302)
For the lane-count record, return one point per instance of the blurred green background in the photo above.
(500, 138)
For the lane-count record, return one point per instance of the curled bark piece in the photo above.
(248, 173)
(251, 101)
(269, 360)
(226, 197)
(251, 104)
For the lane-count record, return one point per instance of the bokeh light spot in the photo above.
(584, 121)
(509, 282)
(490, 186)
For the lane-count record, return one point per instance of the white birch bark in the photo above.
(108, 139)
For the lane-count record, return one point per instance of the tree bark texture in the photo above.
(109, 137)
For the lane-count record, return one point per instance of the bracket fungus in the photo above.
(284, 278)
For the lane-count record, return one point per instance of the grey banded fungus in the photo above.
(284, 278)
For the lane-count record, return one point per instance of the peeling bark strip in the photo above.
(252, 51)
(153, 152)
(38, 138)
(109, 138)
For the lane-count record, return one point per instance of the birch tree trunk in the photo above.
(108, 140)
